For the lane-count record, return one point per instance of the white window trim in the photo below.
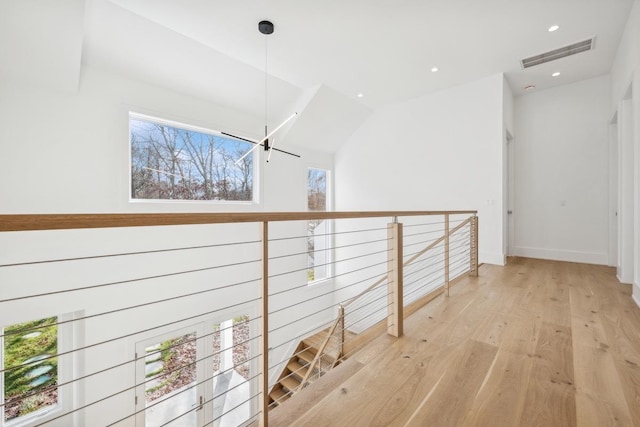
(329, 268)
(255, 200)
(65, 374)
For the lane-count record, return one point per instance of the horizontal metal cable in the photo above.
(329, 307)
(327, 234)
(210, 401)
(422, 224)
(153, 251)
(301, 302)
(136, 359)
(423, 233)
(329, 248)
(332, 277)
(451, 221)
(363, 304)
(133, 388)
(121, 282)
(438, 246)
(329, 263)
(422, 242)
(437, 272)
(104, 313)
(146, 330)
(322, 325)
(426, 285)
(185, 389)
(438, 252)
(367, 316)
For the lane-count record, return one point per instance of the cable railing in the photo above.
(425, 273)
(204, 319)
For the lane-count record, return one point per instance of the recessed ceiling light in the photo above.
(529, 88)
(556, 74)
(554, 28)
(434, 70)
(360, 95)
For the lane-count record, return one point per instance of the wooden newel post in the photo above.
(395, 318)
(263, 378)
(473, 247)
(341, 326)
(446, 254)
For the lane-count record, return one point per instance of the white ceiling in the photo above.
(322, 54)
(386, 48)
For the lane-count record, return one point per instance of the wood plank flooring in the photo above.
(535, 343)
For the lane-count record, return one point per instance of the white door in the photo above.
(203, 375)
(168, 391)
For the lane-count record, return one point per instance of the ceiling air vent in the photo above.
(563, 52)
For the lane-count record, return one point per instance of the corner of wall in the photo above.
(636, 294)
(492, 258)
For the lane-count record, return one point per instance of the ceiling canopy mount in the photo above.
(265, 27)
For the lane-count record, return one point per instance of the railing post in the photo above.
(473, 247)
(446, 254)
(263, 378)
(341, 314)
(395, 318)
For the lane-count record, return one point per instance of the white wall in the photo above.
(636, 201)
(626, 190)
(561, 169)
(437, 152)
(625, 73)
(627, 59)
(69, 154)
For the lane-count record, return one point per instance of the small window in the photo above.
(318, 231)
(30, 380)
(177, 162)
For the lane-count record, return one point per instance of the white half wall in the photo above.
(561, 173)
(441, 151)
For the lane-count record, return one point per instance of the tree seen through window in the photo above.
(171, 163)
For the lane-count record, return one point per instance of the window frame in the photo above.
(65, 375)
(329, 242)
(255, 196)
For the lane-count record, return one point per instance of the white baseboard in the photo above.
(491, 258)
(636, 294)
(562, 255)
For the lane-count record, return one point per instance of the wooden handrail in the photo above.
(409, 261)
(320, 351)
(28, 222)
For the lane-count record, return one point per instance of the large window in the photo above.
(176, 162)
(318, 231)
(30, 380)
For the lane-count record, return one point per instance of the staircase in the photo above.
(306, 365)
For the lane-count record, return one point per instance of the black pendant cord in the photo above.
(266, 74)
(266, 28)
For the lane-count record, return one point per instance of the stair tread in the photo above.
(290, 383)
(297, 368)
(307, 355)
(279, 395)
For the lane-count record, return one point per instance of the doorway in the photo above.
(200, 375)
(510, 158)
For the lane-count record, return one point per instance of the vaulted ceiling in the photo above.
(321, 55)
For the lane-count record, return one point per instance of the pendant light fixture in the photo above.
(266, 28)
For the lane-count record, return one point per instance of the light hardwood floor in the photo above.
(535, 343)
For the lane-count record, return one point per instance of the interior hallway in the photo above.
(537, 342)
